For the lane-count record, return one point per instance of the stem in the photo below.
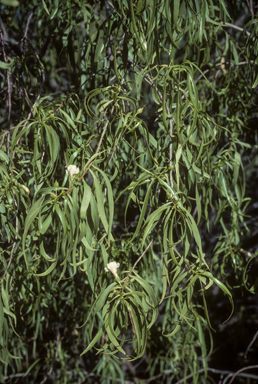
(137, 261)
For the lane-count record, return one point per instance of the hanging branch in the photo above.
(12, 250)
(97, 150)
(42, 74)
(9, 91)
(137, 261)
(149, 81)
(239, 371)
(251, 7)
(111, 39)
(24, 38)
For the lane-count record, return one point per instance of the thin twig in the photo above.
(132, 322)
(104, 130)
(13, 376)
(24, 39)
(217, 371)
(251, 342)
(9, 262)
(25, 92)
(5, 133)
(251, 8)
(12, 250)
(111, 39)
(27, 25)
(237, 373)
(114, 150)
(225, 24)
(97, 150)
(150, 378)
(42, 73)
(137, 261)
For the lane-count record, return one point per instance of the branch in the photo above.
(237, 373)
(24, 39)
(219, 372)
(42, 73)
(137, 261)
(12, 250)
(151, 378)
(9, 90)
(111, 39)
(149, 81)
(225, 24)
(28, 24)
(97, 150)
(251, 8)
(252, 341)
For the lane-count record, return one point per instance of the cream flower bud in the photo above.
(112, 267)
(72, 170)
(26, 189)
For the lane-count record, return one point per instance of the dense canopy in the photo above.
(128, 130)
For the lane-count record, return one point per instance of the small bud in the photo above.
(25, 189)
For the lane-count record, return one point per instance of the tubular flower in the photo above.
(26, 189)
(72, 170)
(112, 267)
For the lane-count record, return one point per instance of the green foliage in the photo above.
(123, 132)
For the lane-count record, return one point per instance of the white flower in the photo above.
(72, 170)
(112, 267)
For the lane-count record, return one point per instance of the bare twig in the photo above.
(4, 134)
(137, 261)
(150, 378)
(238, 372)
(42, 73)
(219, 372)
(9, 262)
(250, 344)
(235, 27)
(15, 375)
(104, 130)
(41, 88)
(132, 322)
(111, 39)
(114, 150)
(2, 27)
(28, 24)
(24, 39)
(25, 92)
(251, 8)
